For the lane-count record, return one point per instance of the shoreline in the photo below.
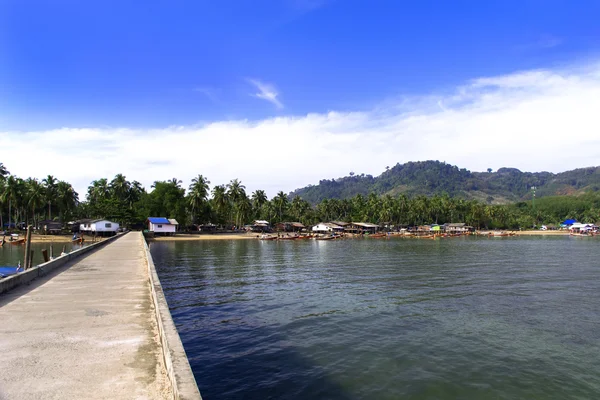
(58, 239)
(246, 236)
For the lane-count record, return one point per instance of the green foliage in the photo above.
(409, 194)
(433, 177)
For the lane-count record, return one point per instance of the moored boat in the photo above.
(267, 237)
(18, 241)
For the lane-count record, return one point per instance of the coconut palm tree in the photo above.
(120, 187)
(134, 193)
(198, 193)
(3, 171)
(220, 201)
(50, 184)
(175, 182)
(67, 198)
(281, 202)
(243, 209)
(9, 194)
(99, 190)
(236, 190)
(299, 208)
(259, 197)
(35, 196)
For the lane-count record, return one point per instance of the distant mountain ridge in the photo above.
(503, 186)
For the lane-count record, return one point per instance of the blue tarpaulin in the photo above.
(569, 221)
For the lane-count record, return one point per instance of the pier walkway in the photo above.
(86, 332)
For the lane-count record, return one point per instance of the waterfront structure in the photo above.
(161, 225)
(361, 227)
(99, 226)
(174, 222)
(289, 226)
(50, 227)
(327, 227)
(261, 226)
(457, 227)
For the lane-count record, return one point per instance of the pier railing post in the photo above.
(27, 259)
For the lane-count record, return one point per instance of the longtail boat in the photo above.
(18, 241)
(326, 237)
(266, 237)
(288, 238)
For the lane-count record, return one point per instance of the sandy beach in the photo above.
(542, 233)
(219, 236)
(35, 238)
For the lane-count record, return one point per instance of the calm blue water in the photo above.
(462, 318)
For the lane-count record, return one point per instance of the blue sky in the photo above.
(146, 66)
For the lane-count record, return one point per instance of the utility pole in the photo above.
(533, 198)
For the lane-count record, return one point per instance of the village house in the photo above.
(361, 227)
(100, 227)
(48, 227)
(289, 227)
(457, 227)
(261, 226)
(174, 222)
(161, 226)
(327, 227)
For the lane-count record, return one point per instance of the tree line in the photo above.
(128, 202)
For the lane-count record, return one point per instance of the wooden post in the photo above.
(27, 260)
(30, 259)
(45, 255)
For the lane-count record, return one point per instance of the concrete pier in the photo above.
(88, 331)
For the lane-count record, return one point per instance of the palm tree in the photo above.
(99, 190)
(259, 197)
(175, 182)
(299, 208)
(3, 171)
(67, 198)
(243, 209)
(9, 194)
(236, 190)
(35, 193)
(198, 193)
(120, 187)
(220, 200)
(281, 202)
(50, 183)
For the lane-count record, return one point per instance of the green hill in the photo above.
(505, 185)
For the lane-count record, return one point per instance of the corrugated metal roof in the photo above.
(158, 220)
(173, 221)
(366, 224)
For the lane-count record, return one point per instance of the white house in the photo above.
(99, 226)
(161, 225)
(326, 227)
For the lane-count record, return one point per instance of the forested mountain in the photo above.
(503, 186)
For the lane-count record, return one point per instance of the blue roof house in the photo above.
(161, 225)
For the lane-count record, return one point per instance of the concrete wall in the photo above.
(43, 269)
(178, 367)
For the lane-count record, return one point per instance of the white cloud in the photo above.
(532, 120)
(266, 92)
